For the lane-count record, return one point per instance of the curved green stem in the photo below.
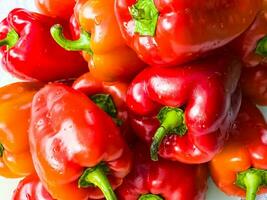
(145, 15)
(97, 177)
(150, 197)
(261, 48)
(172, 121)
(251, 180)
(1, 150)
(82, 44)
(10, 40)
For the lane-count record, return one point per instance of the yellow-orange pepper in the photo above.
(15, 104)
(99, 37)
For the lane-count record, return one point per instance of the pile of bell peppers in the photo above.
(134, 99)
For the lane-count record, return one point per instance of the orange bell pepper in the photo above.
(110, 58)
(15, 103)
(56, 8)
(241, 168)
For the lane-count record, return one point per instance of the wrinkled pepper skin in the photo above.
(30, 188)
(56, 8)
(15, 104)
(246, 149)
(250, 45)
(117, 91)
(206, 94)
(69, 133)
(29, 51)
(109, 58)
(165, 179)
(165, 33)
(254, 84)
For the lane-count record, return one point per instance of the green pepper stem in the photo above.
(97, 177)
(145, 15)
(82, 44)
(150, 197)
(251, 180)
(1, 150)
(172, 120)
(10, 40)
(106, 103)
(261, 48)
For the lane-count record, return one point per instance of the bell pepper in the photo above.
(251, 48)
(186, 111)
(164, 179)
(15, 104)
(251, 45)
(110, 97)
(31, 188)
(165, 33)
(244, 157)
(109, 58)
(56, 8)
(77, 149)
(29, 51)
(264, 4)
(254, 84)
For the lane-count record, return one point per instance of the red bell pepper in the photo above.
(164, 179)
(241, 167)
(29, 51)
(99, 37)
(251, 45)
(254, 84)
(165, 33)
(251, 48)
(76, 147)
(111, 97)
(56, 8)
(188, 109)
(30, 188)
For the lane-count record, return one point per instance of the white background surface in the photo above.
(8, 185)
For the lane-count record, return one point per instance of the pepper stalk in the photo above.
(10, 40)
(82, 44)
(251, 180)
(106, 103)
(172, 122)
(150, 197)
(261, 48)
(96, 177)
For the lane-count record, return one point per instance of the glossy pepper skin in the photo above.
(113, 100)
(56, 8)
(15, 104)
(109, 58)
(186, 111)
(76, 147)
(29, 51)
(164, 179)
(254, 84)
(244, 156)
(250, 46)
(165, 33)
(31, 188)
